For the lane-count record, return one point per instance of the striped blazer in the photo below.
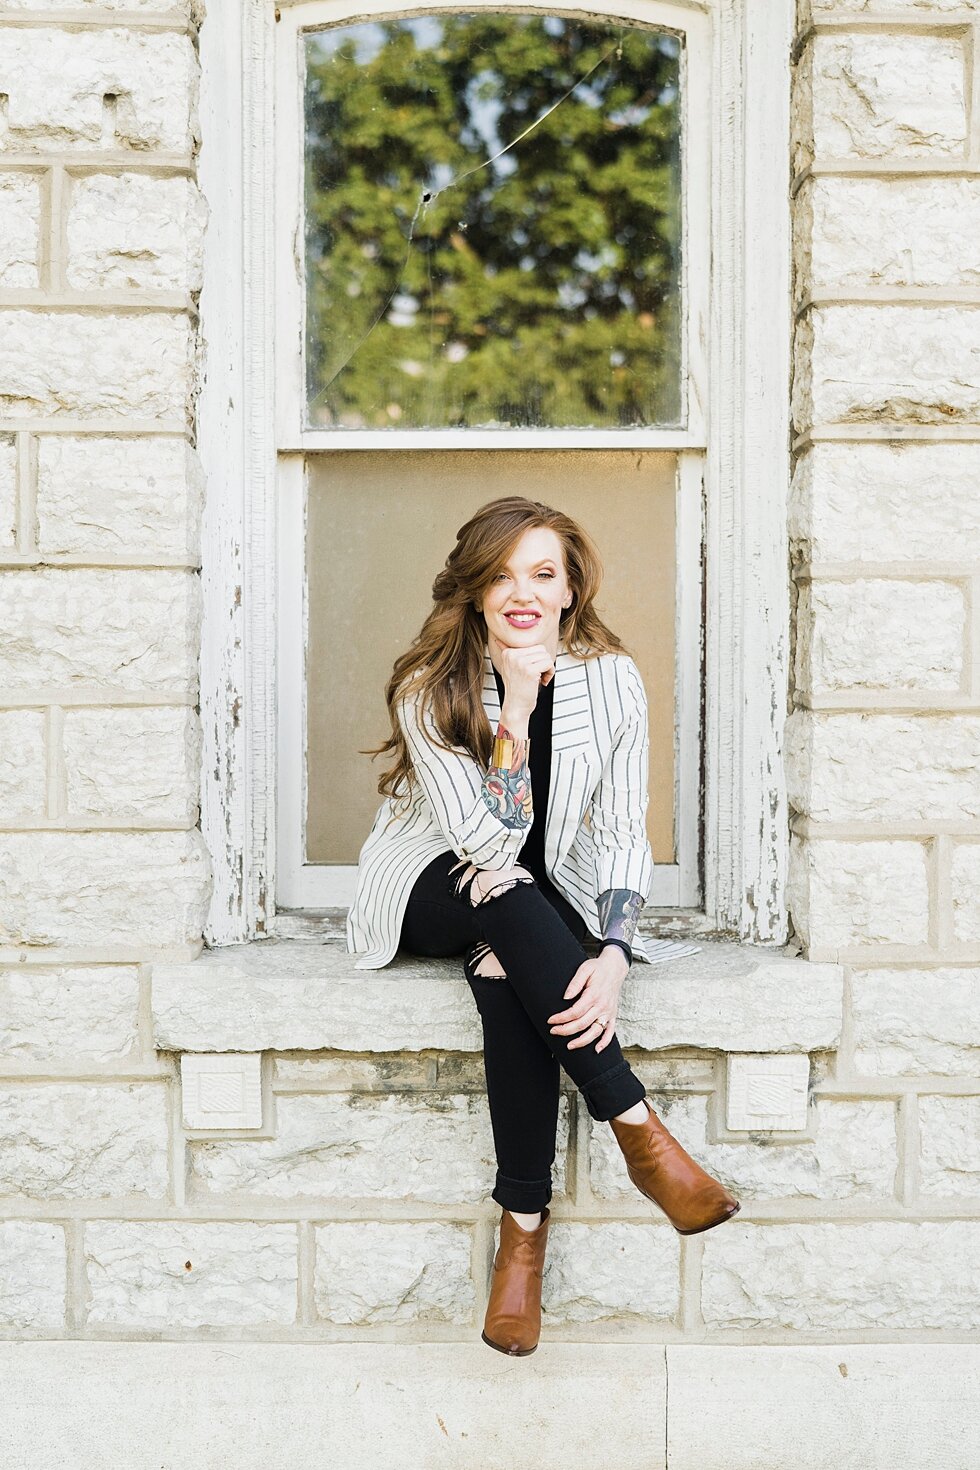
(595, 824)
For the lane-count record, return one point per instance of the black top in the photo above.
(531, 854)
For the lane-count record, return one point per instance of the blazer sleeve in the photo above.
(452, 781)
(618, 810)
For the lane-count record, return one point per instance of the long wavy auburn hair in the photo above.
(444, 662)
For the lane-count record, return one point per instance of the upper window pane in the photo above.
(492, 224)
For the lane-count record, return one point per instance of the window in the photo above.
(494, 296)
(354, 410)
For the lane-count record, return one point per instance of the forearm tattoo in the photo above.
(507, 784)
(619, 913)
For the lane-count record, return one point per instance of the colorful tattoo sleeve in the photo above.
(619, 913)
(507, 784)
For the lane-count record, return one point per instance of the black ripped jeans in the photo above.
(537, 937)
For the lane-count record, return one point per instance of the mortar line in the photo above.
(55, 765)
(26, 535)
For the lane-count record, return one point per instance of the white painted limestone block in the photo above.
(372, 1271)
(949, 1133)
(175, 1273)
(56, 80)
(434, 1147)
(76, 1140)
(886, 502)
(137, 364)
(307, 996)
(103, 888)
(767, 1091)
(853, 1153)
(847, 893)
(8, 490)
(901, 231)
(72, 1015)
(23, 773)
(33, 1274)
(20, 214)
(965, 892)
(877, 767)
(878, 633)
(135, 232)
(139, 764)
(881, 95)
(120, 496)
(221, 1090)
(834, 1276)
(595, 1271)
(862, 363)
(129, 630)
(916, 1021)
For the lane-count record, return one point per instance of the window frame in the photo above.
(737, 361)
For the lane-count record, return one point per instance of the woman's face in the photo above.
(533, 583)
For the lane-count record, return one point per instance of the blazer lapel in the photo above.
(572, 741)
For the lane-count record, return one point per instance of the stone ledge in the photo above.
(284, 995)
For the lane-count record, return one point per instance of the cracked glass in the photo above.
(492, 223)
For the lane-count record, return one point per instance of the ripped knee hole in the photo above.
(482, 955)
(482, 884)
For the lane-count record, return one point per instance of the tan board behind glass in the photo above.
(380, 526)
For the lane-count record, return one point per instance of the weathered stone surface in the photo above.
(135, 232)
(82, 1140)
(141, 764)
(23, 775)
(353, 1074)
(843, 893)
(131, 364)
(949, 1130)
(102, 888)
(880, 634)
(854, 1154)
(887, 232)
(172, 1273)
(965, 891)
(595, 1271)
(75, 1015)
(420, 1146)
(837, 1276)
(881, 95)
(879, 767)
(32, 1274)
(913, 9)
(281, 996)
(892, 502)
(20, 211)
(914, 1021)
(868, 362)
(119, 497)
(56, 81)
(131, 630)
(394, 1271)
(8, 490)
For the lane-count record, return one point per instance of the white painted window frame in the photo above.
(251, 441)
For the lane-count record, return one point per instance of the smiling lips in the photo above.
(523, 620)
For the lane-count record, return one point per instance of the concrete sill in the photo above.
(286, 995)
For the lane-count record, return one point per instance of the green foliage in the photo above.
(536, 289)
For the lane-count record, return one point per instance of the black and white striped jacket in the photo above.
(595, 826)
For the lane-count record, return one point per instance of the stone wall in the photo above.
(358, 1206)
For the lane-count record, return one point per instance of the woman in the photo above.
(519, 732)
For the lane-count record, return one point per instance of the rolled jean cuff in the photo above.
(613, 1092)
(524, 1195)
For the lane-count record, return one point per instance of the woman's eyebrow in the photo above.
(548, 561)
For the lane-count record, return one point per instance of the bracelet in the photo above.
(620, 944)
(503, 753)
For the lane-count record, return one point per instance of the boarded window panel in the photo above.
(380, 526)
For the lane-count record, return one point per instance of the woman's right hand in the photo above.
(524, 670)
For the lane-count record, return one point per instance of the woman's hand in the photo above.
(602, 979)
(524, 670)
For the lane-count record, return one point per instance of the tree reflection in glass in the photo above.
(492, 223)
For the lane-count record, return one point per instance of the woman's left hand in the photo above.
(602, 979)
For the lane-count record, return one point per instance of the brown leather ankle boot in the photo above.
(665, 1172)
(513, 1320)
